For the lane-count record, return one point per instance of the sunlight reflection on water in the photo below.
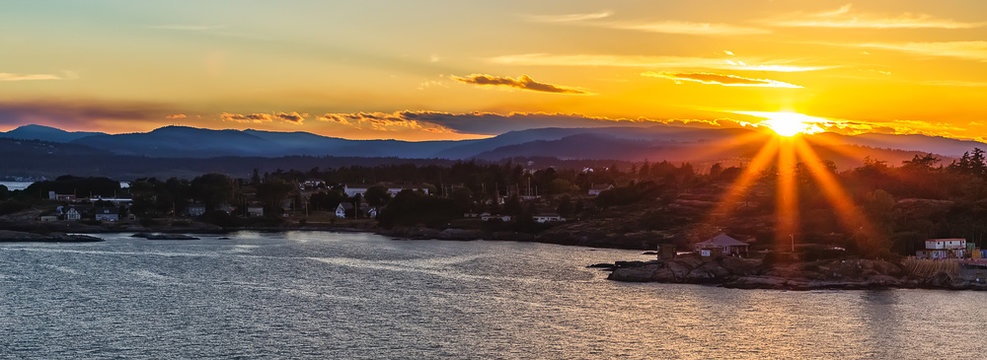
(318, 295)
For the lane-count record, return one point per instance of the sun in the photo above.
(787, 124)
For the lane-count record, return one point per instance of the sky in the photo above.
(425, 69)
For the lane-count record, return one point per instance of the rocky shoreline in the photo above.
(18, 236)
(829, 274)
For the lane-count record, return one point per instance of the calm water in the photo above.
(328, 295)
(16, 185)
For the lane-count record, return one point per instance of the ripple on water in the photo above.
(324, 295)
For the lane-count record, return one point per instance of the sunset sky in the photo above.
(425, 69)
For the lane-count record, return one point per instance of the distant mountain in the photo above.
(930, 144)
(39, 159)
(629, 143)
(45, 133)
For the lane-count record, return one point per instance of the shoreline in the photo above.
(409, 233)
(829, 274)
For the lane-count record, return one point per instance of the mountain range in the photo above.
(653, 143)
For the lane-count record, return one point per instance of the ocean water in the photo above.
(16, 185)
(348, 296)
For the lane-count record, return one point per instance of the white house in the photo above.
(255, 211)
(723, 244)
(353, 191)
(489, 217)
(945, 244)
(196, 210)
(73, 215)
(372, 213)
(362, 190)
(107, 214)
(340, 211)
(544, 218)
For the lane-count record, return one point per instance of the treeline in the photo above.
(921, 198)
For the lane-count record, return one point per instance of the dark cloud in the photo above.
(718, 79)
(82, 114)
(524, 82)
(485, 123)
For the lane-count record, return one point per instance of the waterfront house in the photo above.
(340, 211)
(73, 214)
(353, 191)
(548, 217)
(196, 210)
(722, 244)
(106, 214)
(393, 191)
(488, 217)
(943, 249)
(255, 211)
(372, 213)
(596, 189)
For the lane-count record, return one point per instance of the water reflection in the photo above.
(319, 295)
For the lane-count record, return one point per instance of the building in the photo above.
(545, 218)
(196, 210)
(372, 213)
(73, 214)
(945, 244)
(255, 211)
(362, 190)
(722, 244)
(60, 197)
(340, 211)
(489, 217)
(944, 249)
(312, 184)
(106, 214)
(596, 189)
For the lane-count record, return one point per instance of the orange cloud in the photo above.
(718, 79)
(292, 117)
(176, 116)
(524, 82)
(249, 118)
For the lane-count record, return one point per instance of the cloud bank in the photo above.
(524, 82)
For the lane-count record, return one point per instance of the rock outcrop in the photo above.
(846, 273)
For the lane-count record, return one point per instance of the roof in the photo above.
(601, 186)
(951, 239)
(722, 240)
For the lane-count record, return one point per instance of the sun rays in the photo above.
(785, 157)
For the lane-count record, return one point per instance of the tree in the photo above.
(213, 190)
(377, 196)
(272, 193)
(565, 206)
